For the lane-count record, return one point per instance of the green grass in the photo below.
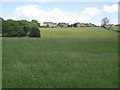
(115, 27)
(62, 58)
(85, 33)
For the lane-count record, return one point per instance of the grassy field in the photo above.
(114, 27)
(62, 58)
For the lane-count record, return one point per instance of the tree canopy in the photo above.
(61, 24)
(34, 32)
(17, 28)
(104, 21)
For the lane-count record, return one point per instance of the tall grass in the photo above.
(63, 58)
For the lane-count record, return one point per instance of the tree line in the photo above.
(19, 28)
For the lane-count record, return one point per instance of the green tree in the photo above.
(61, 24)
(47, 25)
(35, 32)
(8, 28)
(1, 20)
(35, 23)
(11, 28)
(72, 25)
(104, 22)
(19, 28)
(26, 26)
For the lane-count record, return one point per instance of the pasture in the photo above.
(62, 58)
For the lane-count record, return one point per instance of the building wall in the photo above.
(51, 24)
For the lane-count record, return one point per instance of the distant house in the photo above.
(54, 25)
(50, 24)
(84, 25)
(91, 25)
(111, 25)
(78, 24)
(117, 25)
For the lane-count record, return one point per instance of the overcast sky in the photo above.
(69, 12)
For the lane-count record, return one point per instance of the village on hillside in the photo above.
(66, 25)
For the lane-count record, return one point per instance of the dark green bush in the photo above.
(17, 28)
(34, 32)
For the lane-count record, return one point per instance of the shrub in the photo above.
(19, 28)
(34, 32)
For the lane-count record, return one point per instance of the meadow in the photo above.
(62, 58)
